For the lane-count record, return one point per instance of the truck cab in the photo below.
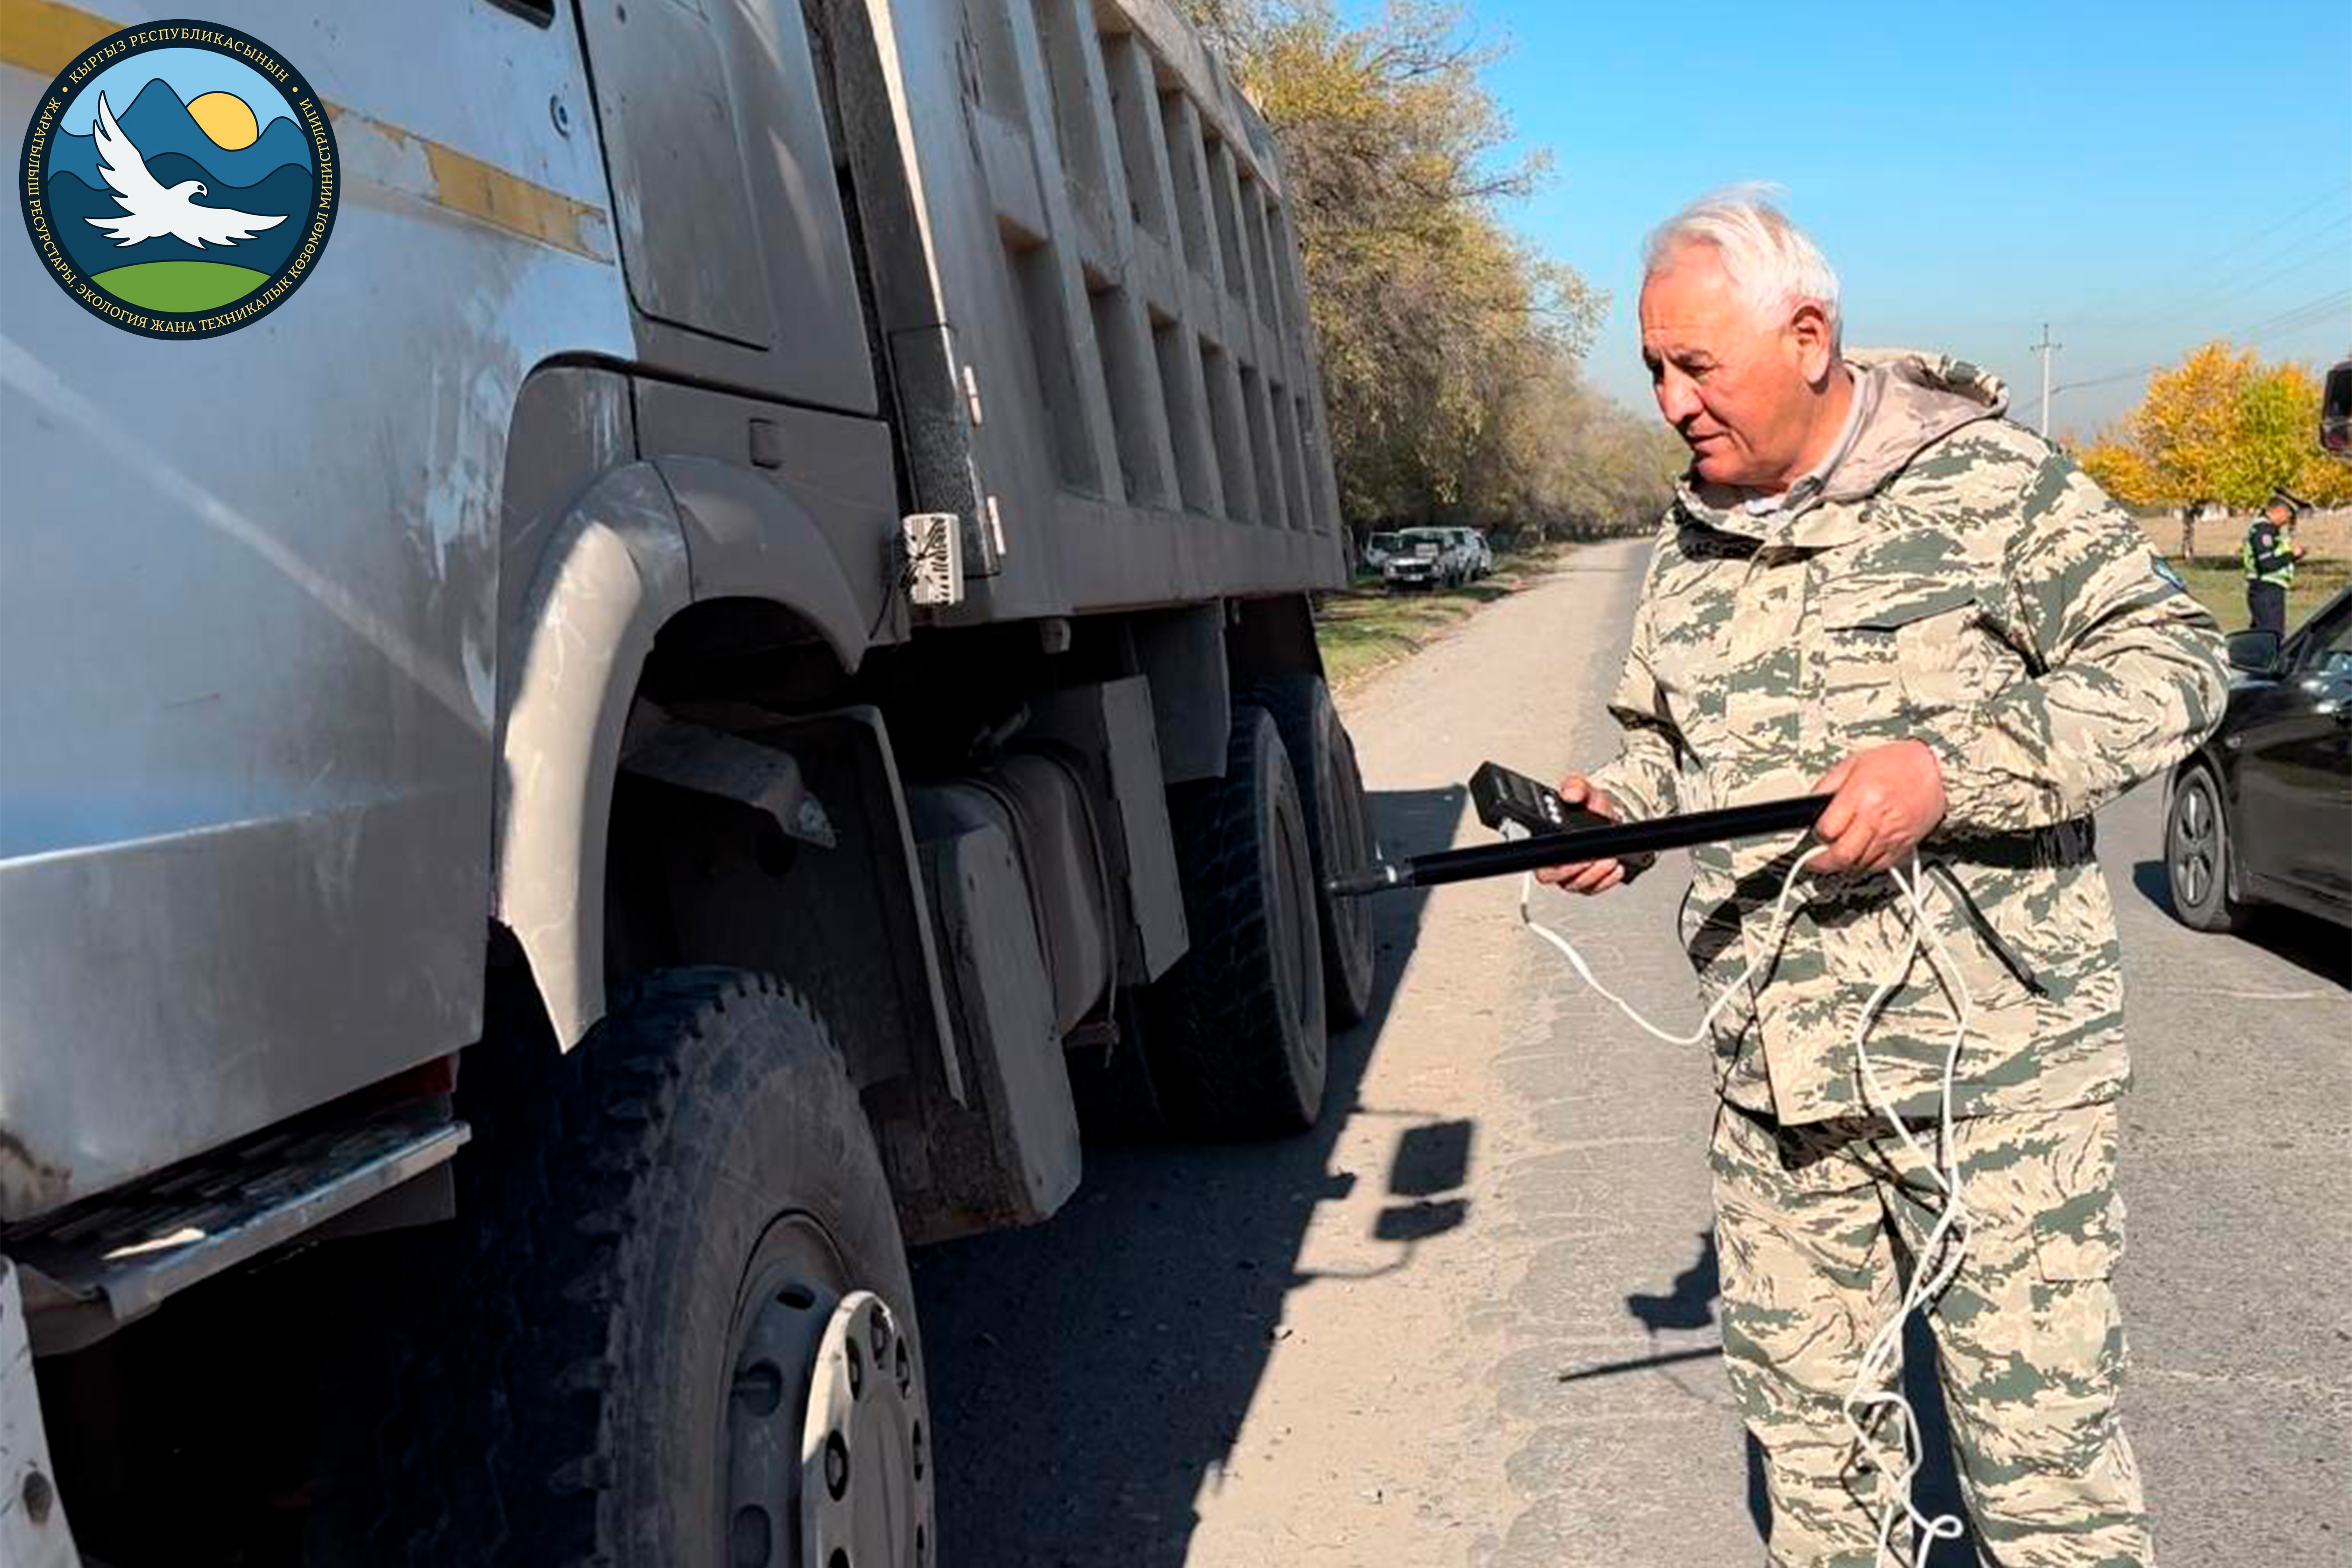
(739, 653)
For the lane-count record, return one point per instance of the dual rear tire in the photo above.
(1239, 1029)
(1340, 830)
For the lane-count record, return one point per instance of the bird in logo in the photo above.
(155, 211)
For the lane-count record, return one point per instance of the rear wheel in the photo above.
(688, 1335)
(2197, 855)
(1239, 1046)
(1338, 822)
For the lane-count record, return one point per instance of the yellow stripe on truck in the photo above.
(44, 37)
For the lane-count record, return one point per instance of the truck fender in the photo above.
(746, 538)
(615, 570)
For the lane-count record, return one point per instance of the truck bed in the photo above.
(1107, 340)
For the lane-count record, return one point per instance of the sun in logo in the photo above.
(227, 119)
(186, 179)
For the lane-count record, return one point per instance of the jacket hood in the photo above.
(1913, 400)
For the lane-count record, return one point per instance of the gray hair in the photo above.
(1771, 263)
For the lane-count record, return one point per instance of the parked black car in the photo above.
(2262, 813)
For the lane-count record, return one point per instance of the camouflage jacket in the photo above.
(1951, 578)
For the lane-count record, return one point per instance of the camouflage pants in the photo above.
(1813, 1223)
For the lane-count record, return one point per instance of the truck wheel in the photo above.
(689, 1336)
(1239, 1047)
(1339, 832)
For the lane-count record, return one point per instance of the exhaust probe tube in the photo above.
(1617, 838)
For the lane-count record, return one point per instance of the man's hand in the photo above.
(1885, 801)
(1585, 875)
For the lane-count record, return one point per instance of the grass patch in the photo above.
(179, 286)
(2220, 583)
(1368, 627)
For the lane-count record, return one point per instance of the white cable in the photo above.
(1875, 1396)
(1780, 916)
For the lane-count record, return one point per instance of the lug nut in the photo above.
(836, 1465)
(40, 1497)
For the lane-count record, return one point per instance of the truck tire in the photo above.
(688, 1335)
(1340, 830)
(1238, 1045)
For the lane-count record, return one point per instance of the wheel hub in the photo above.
(866, 1479)
(2193, 860)
(839, 1477)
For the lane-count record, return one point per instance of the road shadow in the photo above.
(1689, 1304)
(1090, 1375)
(2313, 945)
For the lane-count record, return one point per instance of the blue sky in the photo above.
(2142, 176)
(191, 73)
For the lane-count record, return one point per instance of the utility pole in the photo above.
(2045, 348)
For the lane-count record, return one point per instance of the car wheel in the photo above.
(2197, 855)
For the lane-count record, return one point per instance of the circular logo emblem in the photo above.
(179, 179)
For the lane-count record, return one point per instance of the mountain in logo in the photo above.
(159, 123)
(71, 203)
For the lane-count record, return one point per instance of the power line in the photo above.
(2238, 278)
(2295, 316)
(2331, 251)
(2311, 312)
(2270, 228)
(2107, 380)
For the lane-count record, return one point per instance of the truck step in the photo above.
(96, 1265)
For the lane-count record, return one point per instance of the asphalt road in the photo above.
(1471, 1319)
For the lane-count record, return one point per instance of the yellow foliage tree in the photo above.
(2122, 469)
(2278, 421)
(2220, 427)
(2187, 427)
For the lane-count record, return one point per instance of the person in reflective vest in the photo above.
(2269, 555)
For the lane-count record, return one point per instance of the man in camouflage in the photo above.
(1873, 586)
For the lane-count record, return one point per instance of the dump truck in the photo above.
(737, 662)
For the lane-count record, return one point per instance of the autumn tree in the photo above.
(1442, 333)
(2277, 444)
(2220, 427)
(1576, 462)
